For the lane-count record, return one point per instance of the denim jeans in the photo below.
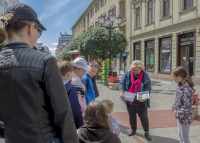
(56, 141)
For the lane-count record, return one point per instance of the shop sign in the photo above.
(166, 41)
(137, 46)
(150, 43)
(187, 38)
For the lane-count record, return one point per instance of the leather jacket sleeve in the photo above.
(1, 130)
(57, 94)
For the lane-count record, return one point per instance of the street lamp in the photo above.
(109, 26)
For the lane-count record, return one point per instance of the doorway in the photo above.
(186, 58)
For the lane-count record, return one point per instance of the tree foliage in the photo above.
(96, 42)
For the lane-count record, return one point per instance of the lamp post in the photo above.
(109, 26)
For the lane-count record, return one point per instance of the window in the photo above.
(165, 55)
(88, 20)
(188, 4)
(5, 7)
(137, 50)
(138, 18)
(92, 12)
(84, 22)
(113, 10)
(96, 24)
(149, 56)
(150, 11)
(97, 7)
(103, 2)
(1, 2)
(166, 8)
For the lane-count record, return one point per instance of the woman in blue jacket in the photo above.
(137, 80)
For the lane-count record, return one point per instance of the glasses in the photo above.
(39, 30)
(39, 33)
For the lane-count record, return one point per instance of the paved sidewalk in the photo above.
(163, 125)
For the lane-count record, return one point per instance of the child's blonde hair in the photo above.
(108, 105)
(65, 67)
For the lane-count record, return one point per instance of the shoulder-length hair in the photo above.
(97, 116)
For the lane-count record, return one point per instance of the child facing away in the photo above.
(87, 81)
(80, 67)
(97, 127)
(66, 70)
(109, 107)
(183, 103)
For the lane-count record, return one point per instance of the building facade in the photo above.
(64, 38)
(166, 34)
(4, 4)
(89, 19)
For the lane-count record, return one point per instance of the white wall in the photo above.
(9, 3)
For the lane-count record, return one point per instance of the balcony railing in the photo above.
(123, 15)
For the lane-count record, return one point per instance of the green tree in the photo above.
(97, 43)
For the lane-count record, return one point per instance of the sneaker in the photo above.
(147, 136)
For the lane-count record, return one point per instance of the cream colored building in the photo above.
(89, 20)
(166, 34)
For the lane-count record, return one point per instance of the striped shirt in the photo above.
(115, 124)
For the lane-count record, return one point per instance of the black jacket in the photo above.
(90, 134)
(34, 105)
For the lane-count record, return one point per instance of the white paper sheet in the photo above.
(129, 96)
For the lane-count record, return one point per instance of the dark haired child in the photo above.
(183, 103)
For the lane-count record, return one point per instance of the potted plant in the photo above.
(113, 82)
(195, 104)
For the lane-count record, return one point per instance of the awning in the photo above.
(123, 55)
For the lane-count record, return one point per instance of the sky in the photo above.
(57, 16)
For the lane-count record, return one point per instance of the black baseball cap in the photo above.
(23, 12)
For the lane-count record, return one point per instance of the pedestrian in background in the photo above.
(34, 105)
(136, 80)
(66, 70)
(183, 103)
(97, 126)
(87, 81)
(109, 105)
(80, 67)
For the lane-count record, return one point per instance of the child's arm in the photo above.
(115, 124)
(187, 104)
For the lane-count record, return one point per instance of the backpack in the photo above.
(94, 86)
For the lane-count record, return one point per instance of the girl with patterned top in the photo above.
(109, 107)
(183, 103)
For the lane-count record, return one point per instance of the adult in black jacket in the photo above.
(34, 105)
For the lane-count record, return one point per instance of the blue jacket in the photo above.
(73, 99)
(125, 80)
(89, 90)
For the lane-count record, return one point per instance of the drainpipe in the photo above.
(130, 30)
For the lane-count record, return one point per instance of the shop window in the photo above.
(188, 4)
(115, 64)
(165, 55)
(137, 51)
(149, 55)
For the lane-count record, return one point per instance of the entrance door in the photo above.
(187, 55)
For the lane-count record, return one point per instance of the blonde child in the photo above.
(183, 103)
(109, 107)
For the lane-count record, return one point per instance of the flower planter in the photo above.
(114, 86)
(195, 108)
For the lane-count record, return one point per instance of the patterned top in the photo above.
(76, 81)
(115, 124)
(183, 103)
